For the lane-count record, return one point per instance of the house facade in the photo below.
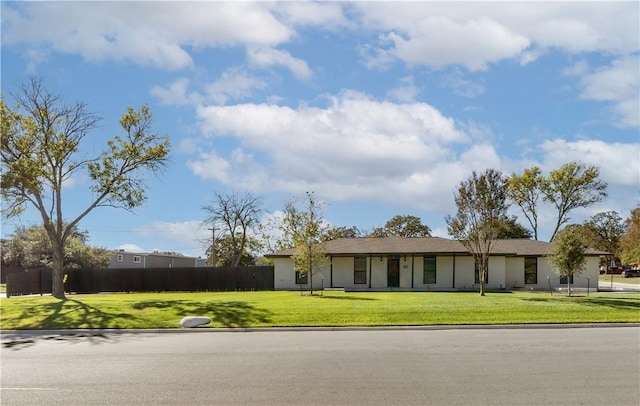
(430, 264)
(124, 259)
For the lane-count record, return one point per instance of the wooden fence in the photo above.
(145, 280)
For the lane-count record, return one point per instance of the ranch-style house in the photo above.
(430, 264)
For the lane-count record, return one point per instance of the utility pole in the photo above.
(213, 245)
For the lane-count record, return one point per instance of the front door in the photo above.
(393, 272)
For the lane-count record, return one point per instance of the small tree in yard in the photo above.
(40, 141)
(305, 229)
(567, 256)
(482, 210)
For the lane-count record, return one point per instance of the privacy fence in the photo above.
(145, 280)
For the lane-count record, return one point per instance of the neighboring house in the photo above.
(124, 259)
(430, 263)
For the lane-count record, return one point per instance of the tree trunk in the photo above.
(57, 282)
(569, 284)
(310, 273)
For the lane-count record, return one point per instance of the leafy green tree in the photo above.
(572, 186)
(512, 229)
(40, 151)
(226, 254)
(482, 207)
(402, 226)
(305, 227)
(335, 233)
(630, 241)
(525, 191)
(233, 217)
(30, 247)
(567, 255)
(603, 232)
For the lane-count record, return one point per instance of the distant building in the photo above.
(125, 259)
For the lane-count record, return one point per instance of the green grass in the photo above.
(267, 309)
(618, 279)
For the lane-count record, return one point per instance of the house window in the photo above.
(477, 277)
(120, 257)
(360, 270)
(429, 270)
(301, 279)
(531, 270)
(137, 259)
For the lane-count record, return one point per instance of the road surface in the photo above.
(545, 366)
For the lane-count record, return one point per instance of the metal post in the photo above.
(213, 245)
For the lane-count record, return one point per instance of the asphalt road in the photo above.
(550, 366)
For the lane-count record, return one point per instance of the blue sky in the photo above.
(380, 108)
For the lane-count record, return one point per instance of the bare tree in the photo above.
(233, 217)
(41, 137)
(482, 209)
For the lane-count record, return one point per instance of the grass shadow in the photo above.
(347, 297)
(227, 314)
(615, 303)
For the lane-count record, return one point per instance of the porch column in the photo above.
(453, 282)
(331, 270)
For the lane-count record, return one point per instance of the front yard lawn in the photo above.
(283, 309)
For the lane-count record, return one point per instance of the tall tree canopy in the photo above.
(512, 229)
(630, 241)
(603, 232)
(572, 186)
(232, 217)
(402, 226)
(567, 255)
(482, 208)
(334, 233)
(525, 191)
(40, 143)
(30, 247)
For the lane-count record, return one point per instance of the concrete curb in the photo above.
(96, 332)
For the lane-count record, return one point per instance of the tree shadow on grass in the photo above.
(73, 314)
(631, 303)
(226, 314)
(347, 297)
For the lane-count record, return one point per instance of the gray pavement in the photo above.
(518, 366)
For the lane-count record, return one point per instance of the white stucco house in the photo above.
(430, 264)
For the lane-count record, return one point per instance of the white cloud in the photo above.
(406, 91)
(462, 86)
(478, 34)
(355, 148)
(618, 162)
(144, 33)
(233, 84)
(176, 94)
(473, 44)
(265, 57)
(618, 83)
